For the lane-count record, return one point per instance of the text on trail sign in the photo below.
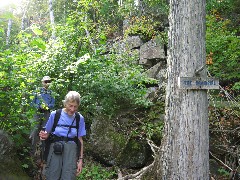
(198, 83)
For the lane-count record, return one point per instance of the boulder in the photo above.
(127, 44)
(151, 52)
(105, 142)
(135, 154)
(10, 166)
(110, 145)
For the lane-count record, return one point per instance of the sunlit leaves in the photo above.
(39, 43)
(225, 48)
(36, 30)
(6, 15)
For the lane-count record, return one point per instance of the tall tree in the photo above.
(9, 31)
(24, 19)
(52, 19)
(186, 139)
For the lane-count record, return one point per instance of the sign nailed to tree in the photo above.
(198, 83)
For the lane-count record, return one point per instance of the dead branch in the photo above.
(137, 175)
(226, 131)
(144, 170)
(220, 161)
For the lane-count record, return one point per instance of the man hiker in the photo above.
(43, 102)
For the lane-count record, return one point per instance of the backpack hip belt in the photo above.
(62, 138)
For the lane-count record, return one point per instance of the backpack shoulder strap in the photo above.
(77, 121)
(77, 141)
(56, 118)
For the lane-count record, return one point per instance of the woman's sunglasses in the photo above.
(47, 81)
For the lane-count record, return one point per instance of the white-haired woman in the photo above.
(66, 164)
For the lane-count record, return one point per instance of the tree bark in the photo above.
(120, 2)
(24, 16)
(52, 19)
(89, 37)
(9, 31)
(185, 145)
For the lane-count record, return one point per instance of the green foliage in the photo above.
(236, 86)
(151, 129)
(73, 64)
(96, 172)
(224, 46)
(151, 123)
(107, 11)
(228, 10)
(147, 19)
(223, 172)
(153, 8)
(156, 8)
(141, 26)
(114, 84)
(220, 6)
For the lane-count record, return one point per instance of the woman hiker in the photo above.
(64, 161)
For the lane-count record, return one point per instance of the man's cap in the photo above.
(46, 78)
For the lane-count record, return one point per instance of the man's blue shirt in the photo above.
(45, 96)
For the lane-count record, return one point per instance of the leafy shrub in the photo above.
(96, 172)
(224, 47)
(141, 26)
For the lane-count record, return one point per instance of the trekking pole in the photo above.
(42, 156)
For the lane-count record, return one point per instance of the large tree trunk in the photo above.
(186, 139)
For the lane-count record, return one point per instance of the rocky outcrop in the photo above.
(10, 166)
(151, 53)
(111, 143)
(110, 139)
(106, 142)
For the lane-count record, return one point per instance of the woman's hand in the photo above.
(43, 135)
(79, 166)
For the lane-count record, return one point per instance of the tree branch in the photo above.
(220, 161)
(138, 174)
(144, 170)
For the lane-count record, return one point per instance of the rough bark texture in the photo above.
(186, 139)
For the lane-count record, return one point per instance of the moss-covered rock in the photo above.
(112, 142)
(10, 166)
(105, 142)
(135, 154)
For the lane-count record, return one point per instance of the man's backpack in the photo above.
(49, 140)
